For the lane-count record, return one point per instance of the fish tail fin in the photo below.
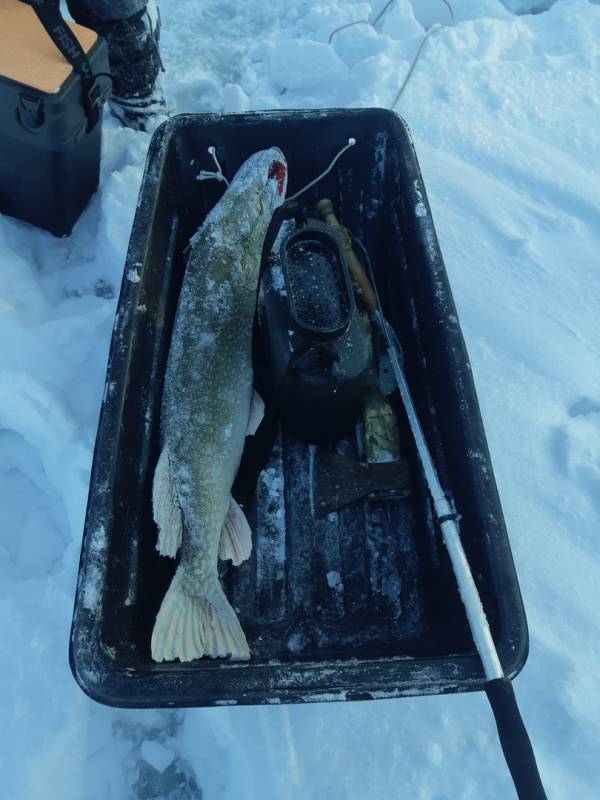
(165, 508)
(190, 626)
(236, 536)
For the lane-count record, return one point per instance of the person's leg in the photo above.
(131, 29)
(105, 9)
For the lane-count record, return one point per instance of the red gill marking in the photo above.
(278, 170)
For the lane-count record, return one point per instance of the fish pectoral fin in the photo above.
(165, 508)
(257, 412)
(236, 536)
(190, 626)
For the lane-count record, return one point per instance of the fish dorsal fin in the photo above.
(236, 536)
(165, 507)
(257, 412)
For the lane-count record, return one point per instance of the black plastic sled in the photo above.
(356, 605)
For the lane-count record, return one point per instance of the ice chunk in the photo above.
(235, 99)
(400, 22)
(304, 64)
(249, 80)
(156, 754)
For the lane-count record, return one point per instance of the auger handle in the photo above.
(327, 214)
(514, 740)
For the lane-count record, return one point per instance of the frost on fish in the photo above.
(206, 412)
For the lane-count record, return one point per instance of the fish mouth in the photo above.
(278, 172)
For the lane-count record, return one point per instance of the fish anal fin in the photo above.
(236, 536)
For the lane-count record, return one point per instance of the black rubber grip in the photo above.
(514, 739)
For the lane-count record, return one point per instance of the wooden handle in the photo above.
(327, 214)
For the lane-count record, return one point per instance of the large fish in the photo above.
(207, 410)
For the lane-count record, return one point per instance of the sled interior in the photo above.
(363, 603)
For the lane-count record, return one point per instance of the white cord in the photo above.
(429, 33)
(379, 16)
(206, 175)
(434, 29)
(351, 143)
(382, 13)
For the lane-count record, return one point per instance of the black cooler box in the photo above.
(49, 140)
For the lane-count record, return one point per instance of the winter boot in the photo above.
(135, 64)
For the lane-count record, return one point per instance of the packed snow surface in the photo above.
(503, 107)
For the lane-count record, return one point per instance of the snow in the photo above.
(303, 64)
(400, 22)
(334, 580)
(503, 107)
(235, 99)
(156, 755)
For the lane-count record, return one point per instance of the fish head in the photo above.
(256, 191)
